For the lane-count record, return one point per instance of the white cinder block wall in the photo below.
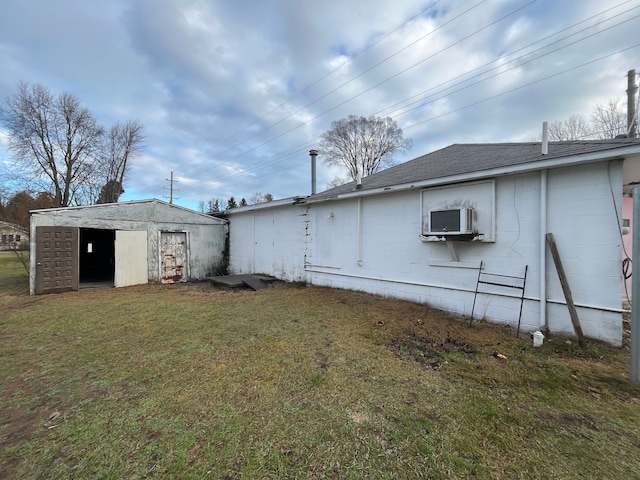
(373, 244)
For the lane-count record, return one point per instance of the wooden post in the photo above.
(573, 313)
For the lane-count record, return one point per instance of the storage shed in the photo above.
(121, 244)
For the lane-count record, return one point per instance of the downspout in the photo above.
(359, 233)
(543, 252)
(544, 326)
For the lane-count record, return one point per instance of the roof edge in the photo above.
(555, 162)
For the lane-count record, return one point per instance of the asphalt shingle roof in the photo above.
(459, 159)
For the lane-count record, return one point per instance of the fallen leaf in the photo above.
(284, 450)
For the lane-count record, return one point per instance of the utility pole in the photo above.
(171, 181)
(632, 89)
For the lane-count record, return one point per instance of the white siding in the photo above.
(373, 244)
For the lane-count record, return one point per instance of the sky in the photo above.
(234, 94)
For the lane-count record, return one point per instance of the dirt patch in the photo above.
(575, 424)
(429, 351)
(30, 416)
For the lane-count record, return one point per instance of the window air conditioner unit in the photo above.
(457, 221)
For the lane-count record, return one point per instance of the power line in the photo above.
(279, 158)
(523, 86)
(397, 113)
(381, 112)
(371, 88)
(504, 93)
(328, 74)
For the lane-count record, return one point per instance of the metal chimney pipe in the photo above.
(313, 154)
(632, 89)
(545, 138)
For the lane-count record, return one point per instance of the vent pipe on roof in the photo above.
(632, 89)
(545, 138)
(313, 154)
(358, 180)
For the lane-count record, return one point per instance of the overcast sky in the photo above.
(234, 94)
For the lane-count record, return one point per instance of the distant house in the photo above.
(13, 237)
(422, 230)
(121, 244)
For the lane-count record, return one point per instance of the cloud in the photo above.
(234, 94)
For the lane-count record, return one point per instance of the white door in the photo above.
(263, 246)
(132, 267)
(173, 257)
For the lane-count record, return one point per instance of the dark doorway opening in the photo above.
(97, 257)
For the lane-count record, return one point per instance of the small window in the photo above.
(18, 238)
(10, 238)
(4, 239)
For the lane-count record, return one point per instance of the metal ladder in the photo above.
(503, 281)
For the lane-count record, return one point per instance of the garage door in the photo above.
(56, 259)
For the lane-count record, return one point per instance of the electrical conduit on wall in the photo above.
(543, 251)
(359, 252)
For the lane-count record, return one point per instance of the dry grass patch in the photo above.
(195, 382)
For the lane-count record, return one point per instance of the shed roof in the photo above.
(475, 160)
(150, 210)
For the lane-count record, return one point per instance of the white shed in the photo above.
(422, 230)
(121, 244)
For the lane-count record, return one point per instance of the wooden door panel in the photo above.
(56, 259)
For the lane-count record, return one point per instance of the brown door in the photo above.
(56, 259)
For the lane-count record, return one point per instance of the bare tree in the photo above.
(609, 119)
(363, 145)
(123, 142)
(55, 138)
(336, 182)
(259, 197)
(61, 148)
(574, 128)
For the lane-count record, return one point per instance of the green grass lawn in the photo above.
(296, 382)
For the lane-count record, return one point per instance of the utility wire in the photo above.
(389, 113)
(422, 102)
(482, 100)
(503, 72)
(369, 89)
(328, 74)
(522, 86)
(281, 158)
